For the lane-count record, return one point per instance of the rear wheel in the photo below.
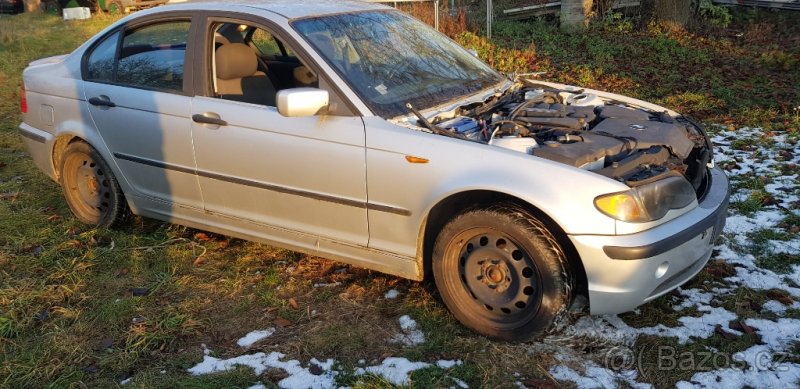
(90, 188)
(501, 272)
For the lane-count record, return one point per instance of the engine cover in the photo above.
(614, 136)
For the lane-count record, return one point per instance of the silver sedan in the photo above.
(352, 131)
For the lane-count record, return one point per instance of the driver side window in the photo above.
(251, 65)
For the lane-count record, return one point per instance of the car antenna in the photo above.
(427, 124)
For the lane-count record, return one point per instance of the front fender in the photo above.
(563, 193)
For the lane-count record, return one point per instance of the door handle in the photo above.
(102, 101)
(209, 118)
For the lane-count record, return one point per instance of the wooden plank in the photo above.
(776, 4)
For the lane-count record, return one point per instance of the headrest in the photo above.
(304, 76)
(220, 39)
(235, 60)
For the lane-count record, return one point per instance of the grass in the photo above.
(83, 307)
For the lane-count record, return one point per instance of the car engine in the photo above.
(630, 144)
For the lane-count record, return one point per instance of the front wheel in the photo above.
(90, 188)
(501, 272)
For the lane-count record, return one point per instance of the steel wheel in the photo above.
(498, 274)
(90, 188)
(501, 273)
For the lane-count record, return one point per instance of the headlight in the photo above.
(648, 202)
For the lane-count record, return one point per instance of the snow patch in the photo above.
(392, 294)
(255, 336)
(410, 336)
(393, 369)
(461, 384)
(299, 377)
(594, 376)
(445, 364)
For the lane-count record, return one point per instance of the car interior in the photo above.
(251, 65)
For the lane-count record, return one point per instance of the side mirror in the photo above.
(302, 102)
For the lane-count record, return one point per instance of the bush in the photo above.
(502, 59)
(716, 15)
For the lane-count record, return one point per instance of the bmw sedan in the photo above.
(352, 131)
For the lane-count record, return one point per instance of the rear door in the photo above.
(139, 102)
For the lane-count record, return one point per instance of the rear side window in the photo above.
(100, 64)
(153, 57)
(150, 57)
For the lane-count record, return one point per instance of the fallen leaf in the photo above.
(106, 344)
(769, 200)
(741, 326)
(538, 384)
(201, 236)
(293, 303)
(781, 296)
(32, 249)
(43, 315)
(74, 243)
(53, 218)
(139, 292)
(725, 334)
(122, 272)
(281, 322)
(11, 196)
(315, 369)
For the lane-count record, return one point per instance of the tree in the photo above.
(575, 14)
(33, 5)
(675, 13)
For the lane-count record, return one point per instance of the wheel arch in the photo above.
(457, 203)
(59, 146)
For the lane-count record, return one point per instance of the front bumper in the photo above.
(626, 271)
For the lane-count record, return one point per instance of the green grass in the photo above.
(68, 317)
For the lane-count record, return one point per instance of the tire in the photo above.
(52, 6)
(114, 7)
(90, 188)
(502, 273)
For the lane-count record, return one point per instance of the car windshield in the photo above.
(391, 59)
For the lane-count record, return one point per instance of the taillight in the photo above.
(23, 100)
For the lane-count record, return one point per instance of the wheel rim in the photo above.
(498, 274)
(87, 187)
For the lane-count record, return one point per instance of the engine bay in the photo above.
(627, 143)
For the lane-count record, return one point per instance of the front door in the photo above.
(302, 174)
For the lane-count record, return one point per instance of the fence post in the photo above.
(489, 17)
(436, 14)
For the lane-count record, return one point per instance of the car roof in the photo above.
(290, 9)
